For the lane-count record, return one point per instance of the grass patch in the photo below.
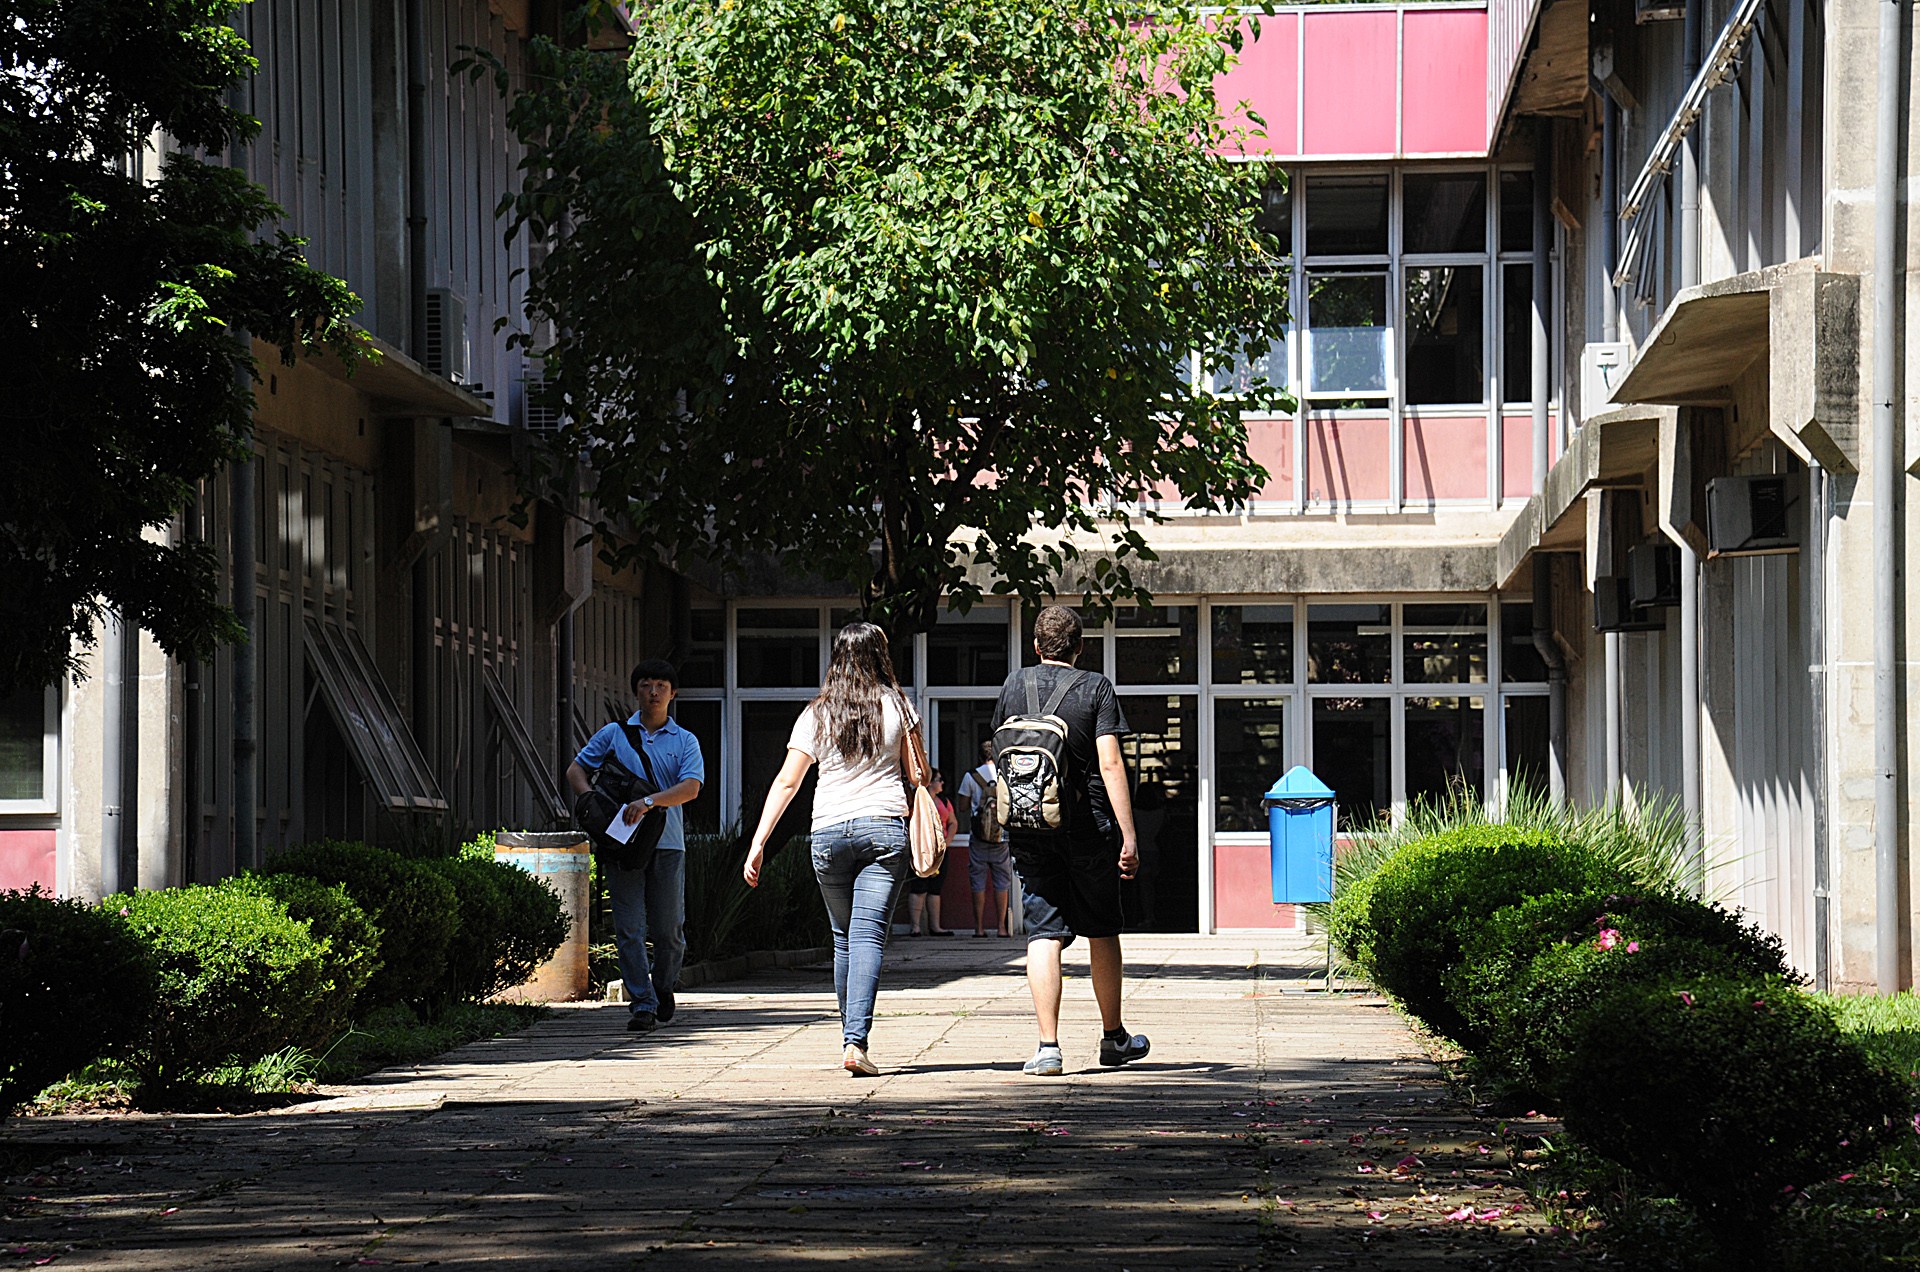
(396, 1036)
(1888, 1026)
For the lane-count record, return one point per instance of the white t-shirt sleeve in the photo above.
(802, 738)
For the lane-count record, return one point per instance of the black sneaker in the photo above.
(1114, 1054)
(665, 1011)
(647, 1022)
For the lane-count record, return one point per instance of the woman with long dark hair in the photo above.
(855, 731)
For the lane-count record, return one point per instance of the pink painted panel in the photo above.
(1243, 889)
(1267, 78)
(1270, 444)
(1516, 453)
(1444, 88)
(1348, 459)
(26, 858)
(1446, 458)
(1350, 80)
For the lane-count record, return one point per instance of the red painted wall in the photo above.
(1349, 459)
(1444, 80)
(1243, 889)
(1446, 458)
(1270, 444)
(1350, 107)
(26, 858)
(1267, 78)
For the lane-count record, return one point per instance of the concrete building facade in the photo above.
(1582, 488)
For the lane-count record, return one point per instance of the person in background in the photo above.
(650, 902)
(856, 730)
(989, 870)
(923, 895)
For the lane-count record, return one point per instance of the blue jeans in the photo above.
(650, 903)
(861, 865)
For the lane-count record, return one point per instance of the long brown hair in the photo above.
(859, 677)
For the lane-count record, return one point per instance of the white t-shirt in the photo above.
(876, 788)
(977, 786)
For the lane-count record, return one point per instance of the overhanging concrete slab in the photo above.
(1803, 322)
(398, 385)
(1618, 448)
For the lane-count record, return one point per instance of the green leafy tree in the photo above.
(125, 288)
(885, 292)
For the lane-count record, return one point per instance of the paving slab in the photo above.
(1272, 1127)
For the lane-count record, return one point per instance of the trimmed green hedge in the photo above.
(413, 907)
(349, 937)
(74, 987)
(1730, 1092)
(1426, 903)
(236, 977)
(508, 923)
(1533, 968)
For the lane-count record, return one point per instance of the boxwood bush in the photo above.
(75, 987)
(1533, 968)
(351, 941)
(413, 907)
(236, 977)
(1428, 901)
(508, 924)
(1730, 1092)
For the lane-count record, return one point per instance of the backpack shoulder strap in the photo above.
(1061, 691)
(1031, 676)
(637, 741)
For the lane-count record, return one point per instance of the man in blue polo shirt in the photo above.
(650, 901)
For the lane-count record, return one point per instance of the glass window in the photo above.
(962, 724)
(1347, 332)
(1519, 660)
(1444, 644)
(1516, 333)
(1093, 658)
(1446, 351)
(1163, 757)
(1516, 211)
(701, 717)
(1157, 646)
(1249, 756)
(1276, 211)
(1353, 753)
(968, 649)
(901, 654)
(764, 729)
(1347, 216)
(1444, 212)
(1252, 644)
(23, 745)
(1243, 369)
(703, 662)
(1446, 747)
(778, 648)
(1527, 741)
(1350, 644)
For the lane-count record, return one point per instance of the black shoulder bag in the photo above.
(613, 787)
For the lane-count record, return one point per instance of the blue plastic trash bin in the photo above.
(1300, 827)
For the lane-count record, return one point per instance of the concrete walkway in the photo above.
(1269, 1128)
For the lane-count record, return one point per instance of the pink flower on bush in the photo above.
(1633, 947)
(1687, 998)
(1609, 937)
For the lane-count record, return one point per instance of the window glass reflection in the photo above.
(1347, 333)
(1350, 644)
(1163, 756)
(1156, 646)
(778, 648)
(1516, 333)
(968, 649)
(1353, 753)
(1444, 212)
(1252, 644)
(1347, 216)
(1249, 756)
(1446, 747)
(1446, 349)
(1445, 644)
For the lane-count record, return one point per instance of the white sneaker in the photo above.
(855, 1061)
(1047, 1062)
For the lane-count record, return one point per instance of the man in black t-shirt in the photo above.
(1071, 878)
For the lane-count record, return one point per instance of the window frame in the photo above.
(49, 798)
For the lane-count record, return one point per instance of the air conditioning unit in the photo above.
(1653, 574)
(1614, 610)
(1602, 366)
(447, 334)
(1754, 516)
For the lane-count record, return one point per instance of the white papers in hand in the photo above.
(618, 830)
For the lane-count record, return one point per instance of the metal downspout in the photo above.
(1821, 494)
(1615, 642)
(1549, 650)
(243, 556)
(1690, 776)
(119, 757)
(1886, 491)
(1542, 386)
(420, 599)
